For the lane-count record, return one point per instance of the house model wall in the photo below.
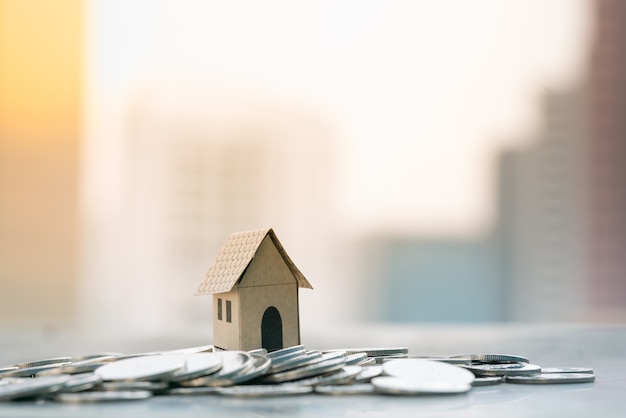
(254, 285)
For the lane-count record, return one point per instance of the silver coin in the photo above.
(449, 360)
(81, 382)
(95, 357)
(6, 370)
(32, 387)
(498, 370)
(56, 360)
(123, 386)
(355, 359)
(358, 389)
(328, 363)
(286, 358)
(550, 370)
(141, 368)
(427, 370)
(342, 376)
(261, 351)
(233, 363)
(493, 358)
(264, 390)
(375, 352)
(285, 351)
(260, 366)
(410, 386)
(345, 375)
(297, 361)
(192, 391)
(552, 378)
(368, 373)
(369, 361)
(96, 396)
(72, 368)
(192, 350)
(487, 381)
(382, 359)
(197, 365)
(33, 371)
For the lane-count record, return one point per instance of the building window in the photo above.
(228, 311)
(219, 308)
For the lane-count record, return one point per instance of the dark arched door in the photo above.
(271, 330)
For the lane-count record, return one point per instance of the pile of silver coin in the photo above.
(295, 370)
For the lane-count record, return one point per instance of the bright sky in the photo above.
(422, 93)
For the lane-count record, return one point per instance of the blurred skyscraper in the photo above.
(541, 230)
(607, 160)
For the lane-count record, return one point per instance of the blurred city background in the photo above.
(420, 161)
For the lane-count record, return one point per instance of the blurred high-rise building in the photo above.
(607, 160)
(542, 221)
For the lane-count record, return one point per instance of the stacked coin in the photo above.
(294, 370)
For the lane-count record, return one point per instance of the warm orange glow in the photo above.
(40, 54)
(40, 125)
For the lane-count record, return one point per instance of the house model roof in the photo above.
(234, 258)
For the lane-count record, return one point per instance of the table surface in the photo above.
(601, 347)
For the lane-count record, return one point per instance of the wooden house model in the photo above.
(254, 285)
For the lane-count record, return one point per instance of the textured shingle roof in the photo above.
(234, 258)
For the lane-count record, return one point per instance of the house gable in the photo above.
(267, 268)
(235, 257)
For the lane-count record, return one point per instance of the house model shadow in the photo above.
(254, 285)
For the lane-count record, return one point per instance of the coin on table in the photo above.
(233, 363)
(342, 376)
(96, 396)
(355, 359)
(72, 368)
(493, 358)
(32, 387)
(153, 367)
(552, 378)
(34, 370)
(500, 370)
(550, 370)
(124, 385)
(357, 389)
(6, 370)
(487, 381)
(369, 361)
(329, 363)
(197, 365)
(286, 351)
(287, 363)
(81, 382)
(192, 350)
(427, 370)
(192, 391)
(449, 360)
(287, 357)
(264, 390)
(375, 352)
(96, 357)
(368, 373)
(37, 363)
(260, 366)
(382, 359)
(412, 386)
